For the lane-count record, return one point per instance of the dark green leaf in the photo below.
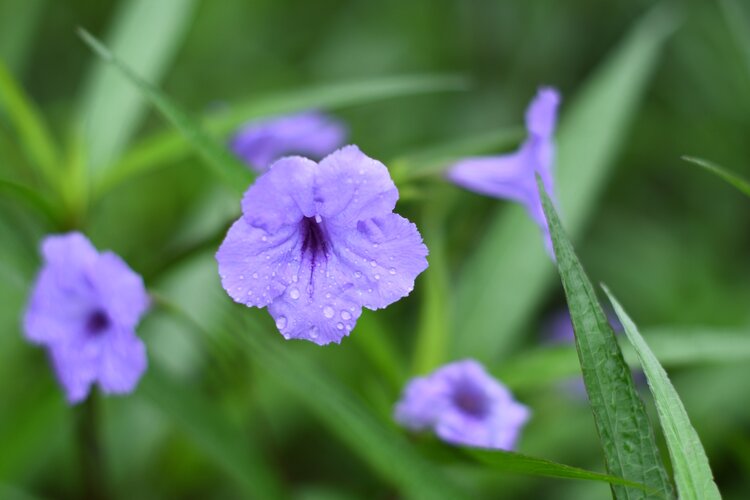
(625, 432)
(692, 472)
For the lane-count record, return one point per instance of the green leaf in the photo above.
(625, 432)
(674, 346)
(224, 165)
(506, 461)
(227, 446)
(145, 35)
(385, 449)
(30, 126)
(727, 175)
(505, 279)
(168, 147)
(30, 197)
(18, 21)
(739, 25)
(692, 473)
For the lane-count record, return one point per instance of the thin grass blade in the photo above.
(625, 432)
(727, 175)
(692, 472)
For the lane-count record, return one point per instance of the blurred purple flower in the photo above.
(512, 176)
(312, 134)
(463, 405)
(319, 241)
(84, 308)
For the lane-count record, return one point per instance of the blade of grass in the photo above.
(735, 180)
(30, 126)
(505, 279)
(145, 35)
(625, 432)
(224, 165)
(168, 147)
(674, 346)
(226, 445)
(692, 473)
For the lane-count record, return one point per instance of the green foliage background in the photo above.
(668, 238)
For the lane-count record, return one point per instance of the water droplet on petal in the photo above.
(295, 278)
(328, 312)
(377, 276)
(373, 263)
(340, 326)
(345, 315)
(392, 270)
(357, 274)
(294, 293)
(286, 336)
(263, 238)
(318, 218)
(313, 332)
(242, 276)
(255, 276)
(281, 322)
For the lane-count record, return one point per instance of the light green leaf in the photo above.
(674, 346)
(18, 21)
(30, 197)
(146, 36)
(168, 147)
(692, 473)
(505, 279)
(518, 463)
(30, 126)
(625, 432)
(226, 167)
(729, 176)
(226, 445)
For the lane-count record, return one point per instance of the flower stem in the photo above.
(92, 464)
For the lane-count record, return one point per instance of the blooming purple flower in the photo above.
(319, 241)
(84, 308)
(513, 176)
(463, 405)
(312, 134)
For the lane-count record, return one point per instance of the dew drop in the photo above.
(294, 293)
(313, 332)
(263, 238)
(295, 278)
(281, 322)
(287, 336)
(392, 270)
(340, 326)
(345, 315)
(242, 276)
(357, 274)
(318, 218)
(328, 312)
(373, 263)
(255, 276)
(377, 276)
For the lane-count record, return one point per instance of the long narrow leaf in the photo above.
(30, 126)
(212, 434)
(506, 277)
(727, 175)
(625, 432)
(168, 147)
(145, 34)
(692, 473)
(226, 167)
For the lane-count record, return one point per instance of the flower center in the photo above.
(313, 238)
(471, 400)
(97, 323)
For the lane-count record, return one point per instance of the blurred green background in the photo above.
(640, 89)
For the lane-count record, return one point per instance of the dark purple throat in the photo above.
(313, 239)
(97, 323)
(471, 400)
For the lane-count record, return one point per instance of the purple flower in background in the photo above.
(312, 134)
(512, 176)
(463, 405)
(84, 308)
(319, 241)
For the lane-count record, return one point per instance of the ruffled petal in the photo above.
(282, 196)
(255, 266)
(423, 401)
(381, 257)
(508, 176)
(350, 187)
(75, 365)
(121, 291)
(121, 363)
(541, 114)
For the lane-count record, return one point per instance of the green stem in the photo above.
(92, 463)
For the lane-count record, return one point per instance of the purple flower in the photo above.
(312, 134)
(463, 405)
(319, 241)
(512, 176)
(84, 308)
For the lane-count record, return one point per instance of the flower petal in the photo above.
(121, 291)
(381, 257)
(312, 134)
(255, 266)
(350, 187)
(76, 368)
(122, 361)
(281, 196)
(541, 114)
